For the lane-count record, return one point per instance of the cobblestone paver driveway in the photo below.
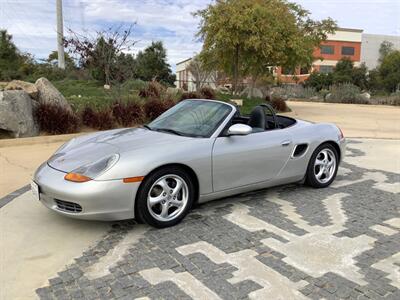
(291, 242)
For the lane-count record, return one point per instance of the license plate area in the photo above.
(35, 190)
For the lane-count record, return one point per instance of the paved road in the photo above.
(356, 120)
(291, 242)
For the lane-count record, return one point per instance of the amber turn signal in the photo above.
(133, 179)
(74, 177)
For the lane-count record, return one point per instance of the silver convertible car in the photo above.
(198, 150)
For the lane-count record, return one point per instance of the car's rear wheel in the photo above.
(323, 166)
(165, 197)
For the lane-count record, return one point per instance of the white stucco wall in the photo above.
(189, 80)
(182, 66)
(346, 35)
(370, 47)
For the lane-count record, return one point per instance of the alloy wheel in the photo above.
(168, 197)
(325, 165)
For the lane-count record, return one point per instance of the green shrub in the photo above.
(293, 91)
(346, 93)
(392, 99)
(323, 93)
(133, 85)
(319, 81)
(389, 71)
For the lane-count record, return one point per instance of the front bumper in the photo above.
(98, 200)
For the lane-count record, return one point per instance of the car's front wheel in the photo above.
(323, 166)
(165, 197)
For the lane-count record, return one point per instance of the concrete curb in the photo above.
(8, 198)
(47, 139)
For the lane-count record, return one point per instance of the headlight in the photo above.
(92, 170)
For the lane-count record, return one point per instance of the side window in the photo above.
(325, 49)
(347, 50)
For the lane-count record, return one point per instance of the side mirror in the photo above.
(239, 129)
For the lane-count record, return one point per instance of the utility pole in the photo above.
(60, 36)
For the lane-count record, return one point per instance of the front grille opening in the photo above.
(300, 150)
(68, 206)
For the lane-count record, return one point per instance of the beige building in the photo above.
(184, 78)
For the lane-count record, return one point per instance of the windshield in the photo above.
(192, 118)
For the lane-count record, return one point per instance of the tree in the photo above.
(389, 71)
(346, 72)
(53, 58)
(202, 74)
(343, 71)
(319, 81)
(101, 53)
(10, 57)
(359, 76)
(386, 76)
(385, 48)
(245, 37)
(151, 64)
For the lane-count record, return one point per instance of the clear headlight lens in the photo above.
(92, 170)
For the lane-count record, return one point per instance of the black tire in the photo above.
(311, 178)
(141, 208)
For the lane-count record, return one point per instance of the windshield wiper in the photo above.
(177, 132)
(147, 127)
(169, 131)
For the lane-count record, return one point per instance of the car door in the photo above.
(241, 160)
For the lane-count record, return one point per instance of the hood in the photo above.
(137, 138)
(87, 149)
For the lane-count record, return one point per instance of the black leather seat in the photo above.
(257, 119)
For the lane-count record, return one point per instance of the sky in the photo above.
(33, 22)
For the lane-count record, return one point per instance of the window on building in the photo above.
(325, 69)
(327, 49)
(287, 71)
(347, 50)
(304, 70)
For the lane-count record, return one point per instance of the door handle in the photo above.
(286, 143)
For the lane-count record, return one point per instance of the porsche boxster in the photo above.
(199, 150)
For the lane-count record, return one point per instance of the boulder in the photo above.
(28, 87)
(328, 97)
(249, 92)
(49, 94)
(17, 114)
(365, 96)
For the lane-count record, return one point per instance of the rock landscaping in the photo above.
(18, 103)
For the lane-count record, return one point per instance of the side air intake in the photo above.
(299, 150)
